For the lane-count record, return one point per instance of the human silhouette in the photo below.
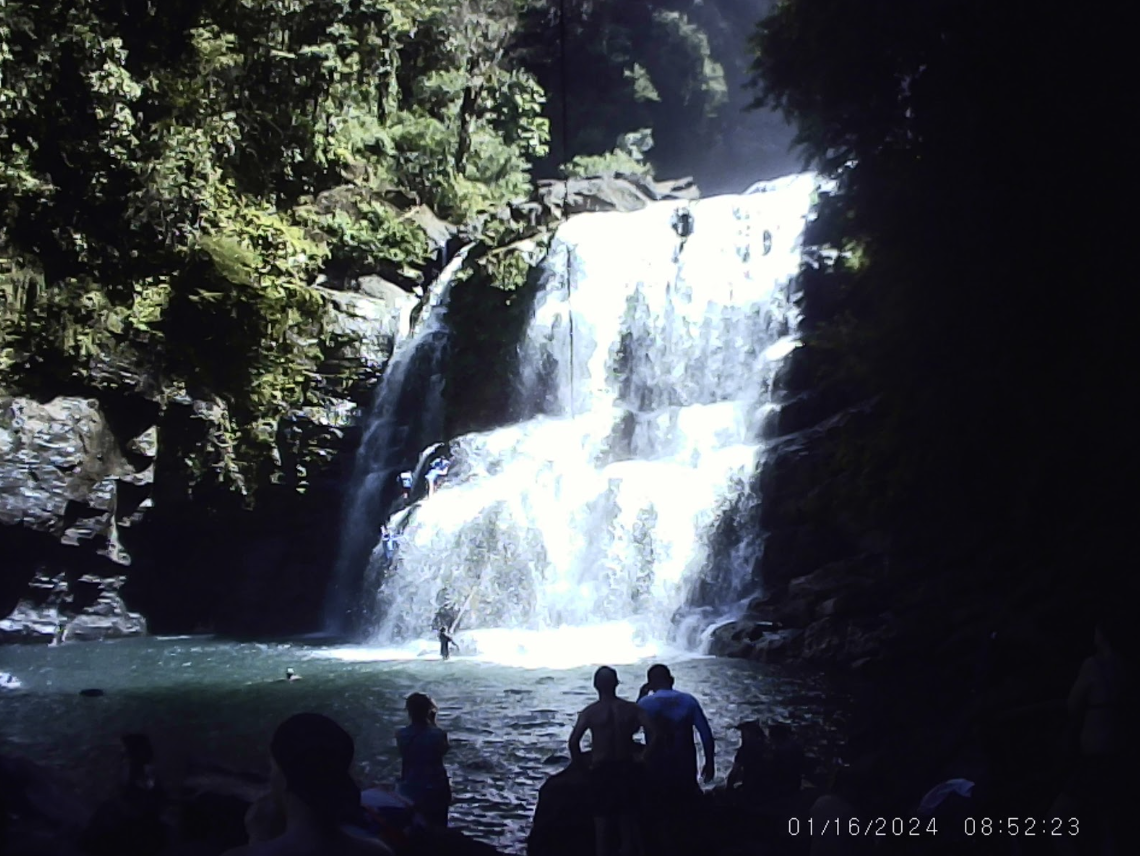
(422, 745)
(614, 776)
(672, 769)
(445, 643)
(310, 759)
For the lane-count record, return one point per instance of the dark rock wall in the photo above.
(96, 512)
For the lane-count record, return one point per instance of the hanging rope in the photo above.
(566, 186)
(570, 315)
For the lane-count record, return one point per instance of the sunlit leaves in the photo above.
(172, 174)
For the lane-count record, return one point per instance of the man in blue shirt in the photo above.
(673, 767)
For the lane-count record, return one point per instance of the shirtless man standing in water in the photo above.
(613, 775)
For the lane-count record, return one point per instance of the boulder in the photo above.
(737, 638)
(360, 331)
(611, 192)
(60, 609)
(60, 468)
(68, 488)
(562, 818)
(438, 230)
(778, 646)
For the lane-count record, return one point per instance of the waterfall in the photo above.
(407, 414)
(646, 377)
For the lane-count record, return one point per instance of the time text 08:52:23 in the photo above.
(922, 826)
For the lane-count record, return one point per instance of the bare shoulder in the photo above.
(589, 711)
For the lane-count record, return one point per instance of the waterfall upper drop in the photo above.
(646, 375)
(407, 413)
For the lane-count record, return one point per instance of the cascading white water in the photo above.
(648, 372)
(407, 412)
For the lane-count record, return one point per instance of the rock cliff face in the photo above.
(95, 512)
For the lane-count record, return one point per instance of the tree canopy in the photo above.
(966, 268)
(176, 175)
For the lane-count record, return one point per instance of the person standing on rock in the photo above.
(672, 770)
(423, 777)
(614, 776)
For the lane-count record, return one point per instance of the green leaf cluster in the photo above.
(627, 66)
(176, 175)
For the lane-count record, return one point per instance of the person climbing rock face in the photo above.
(436, 472)
(405, 480)
(683, 223)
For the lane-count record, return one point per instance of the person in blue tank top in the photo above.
(672, 768)
(422, 745)
(677, 714)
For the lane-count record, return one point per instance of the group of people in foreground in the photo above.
(627, 778)
(315, 809)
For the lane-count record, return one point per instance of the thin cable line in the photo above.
(566, 185)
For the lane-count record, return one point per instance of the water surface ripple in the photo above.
(203, 699)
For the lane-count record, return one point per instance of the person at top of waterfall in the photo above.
(310, 760)
(438, 469)
(422, 745)
(614, 778)
(387, 541)
(683, 223)
(673, 769)
(445, 643)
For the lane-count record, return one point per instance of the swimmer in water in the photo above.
(291, 676)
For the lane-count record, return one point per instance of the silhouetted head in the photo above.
(313, 755)
(659, 678)
(606, 681)
(420, 708)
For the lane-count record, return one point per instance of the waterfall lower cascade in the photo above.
(647, 375)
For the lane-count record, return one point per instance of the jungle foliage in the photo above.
(176, 174)
(627, 66)
(966, 267)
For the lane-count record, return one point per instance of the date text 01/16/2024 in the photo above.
(879, 826)
(1055, 827)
